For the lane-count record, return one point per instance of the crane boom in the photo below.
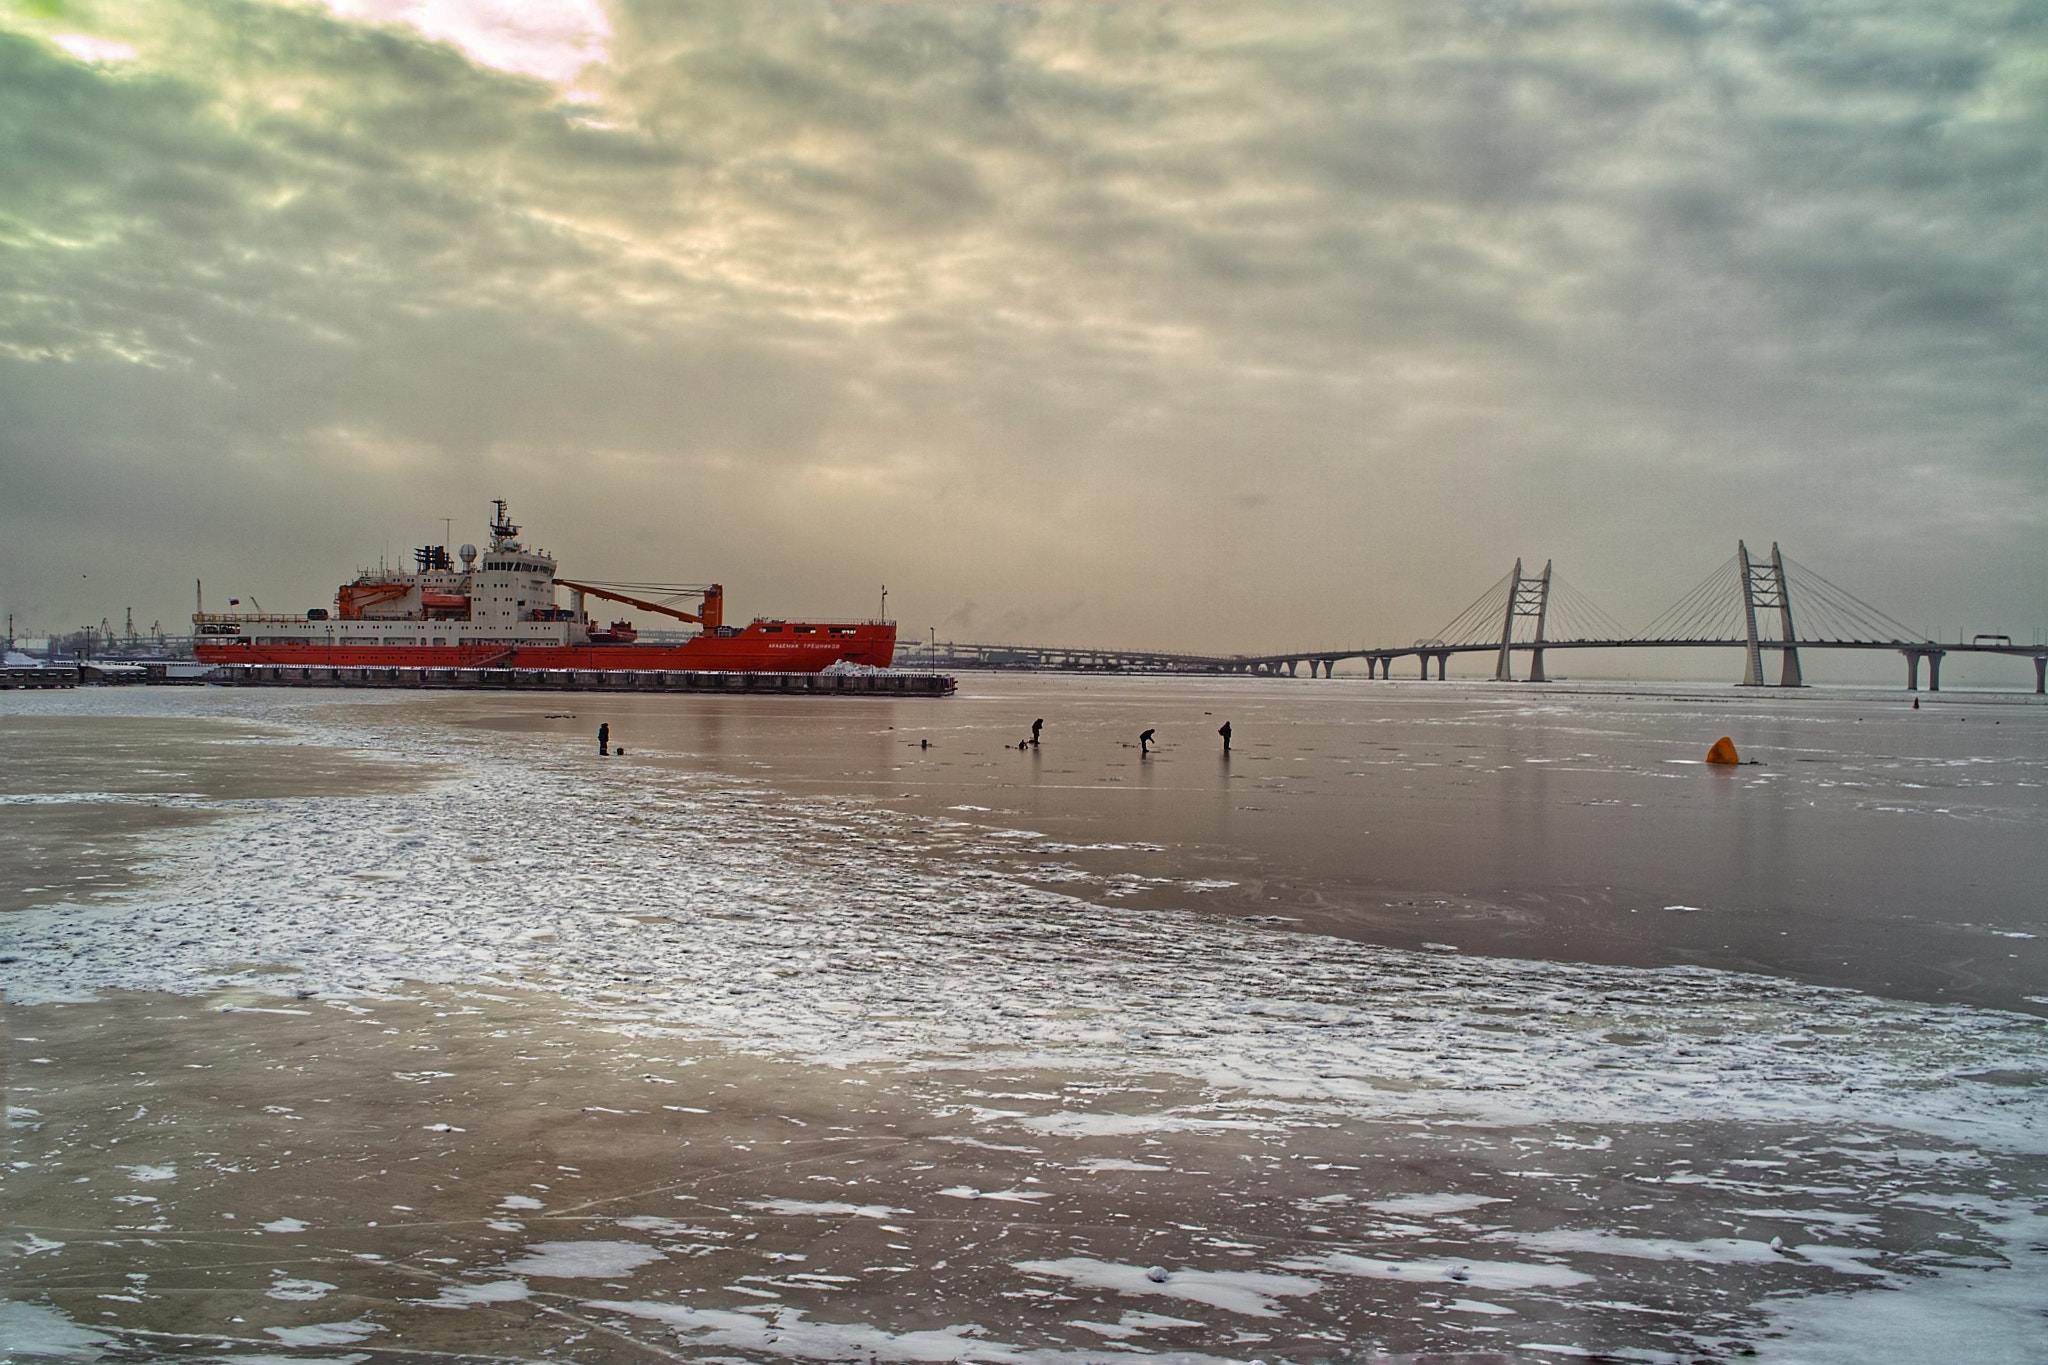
(353, 597)
(714, 600)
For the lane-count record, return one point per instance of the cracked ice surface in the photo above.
(829, 930)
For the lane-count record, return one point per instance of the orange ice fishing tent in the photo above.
(1723, 751)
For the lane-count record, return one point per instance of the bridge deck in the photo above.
(1026, 658)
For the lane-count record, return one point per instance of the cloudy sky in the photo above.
(1215, 325)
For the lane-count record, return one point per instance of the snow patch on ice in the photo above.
(1433, 1203)
(1711, 1250)
(584, 1260)
(1067, 1123)
(1000, 1196)
(326, 1333)
(792, 1208)
(1987, 1317)
(781, 1331)
(647, 1222)
(1499, 1275)
(1117, 1163)
(467, 1295)
(1249, 1293)
(34, 1331)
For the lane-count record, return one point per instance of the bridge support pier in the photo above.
(2040, 674)
(1933, 657)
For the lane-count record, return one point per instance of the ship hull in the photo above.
(750, 651)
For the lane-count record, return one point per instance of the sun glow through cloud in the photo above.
(551, 39)
(87, 48)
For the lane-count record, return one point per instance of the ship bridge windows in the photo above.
(804, 630)
(771, 630)
(843, 630)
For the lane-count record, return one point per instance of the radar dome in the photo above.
(468, 555)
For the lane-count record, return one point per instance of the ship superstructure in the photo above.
(500, 608)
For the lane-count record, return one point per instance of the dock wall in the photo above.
(57, 676)
(592, 680)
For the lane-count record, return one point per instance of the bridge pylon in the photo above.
(1527, 597)
(1763, 585)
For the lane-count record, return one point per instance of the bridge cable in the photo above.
(1843, 612)
(1713, 605)
(1479, 622)
(1573, 615)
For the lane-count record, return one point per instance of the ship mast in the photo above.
(502, 529)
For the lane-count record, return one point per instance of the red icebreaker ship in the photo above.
(502, 613)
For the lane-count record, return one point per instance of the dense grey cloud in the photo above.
(1215, 326)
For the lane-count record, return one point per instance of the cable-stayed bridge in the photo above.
(1756, 604)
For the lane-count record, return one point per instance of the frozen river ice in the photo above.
(971, 1069)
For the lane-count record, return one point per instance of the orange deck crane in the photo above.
(713, 609)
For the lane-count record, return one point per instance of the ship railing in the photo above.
(209, 618)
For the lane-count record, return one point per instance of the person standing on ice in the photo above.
(604, 739)
(1145, 744)
(1224, 730)
(1036, 726)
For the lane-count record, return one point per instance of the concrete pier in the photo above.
(592, 680)
(60, 675)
